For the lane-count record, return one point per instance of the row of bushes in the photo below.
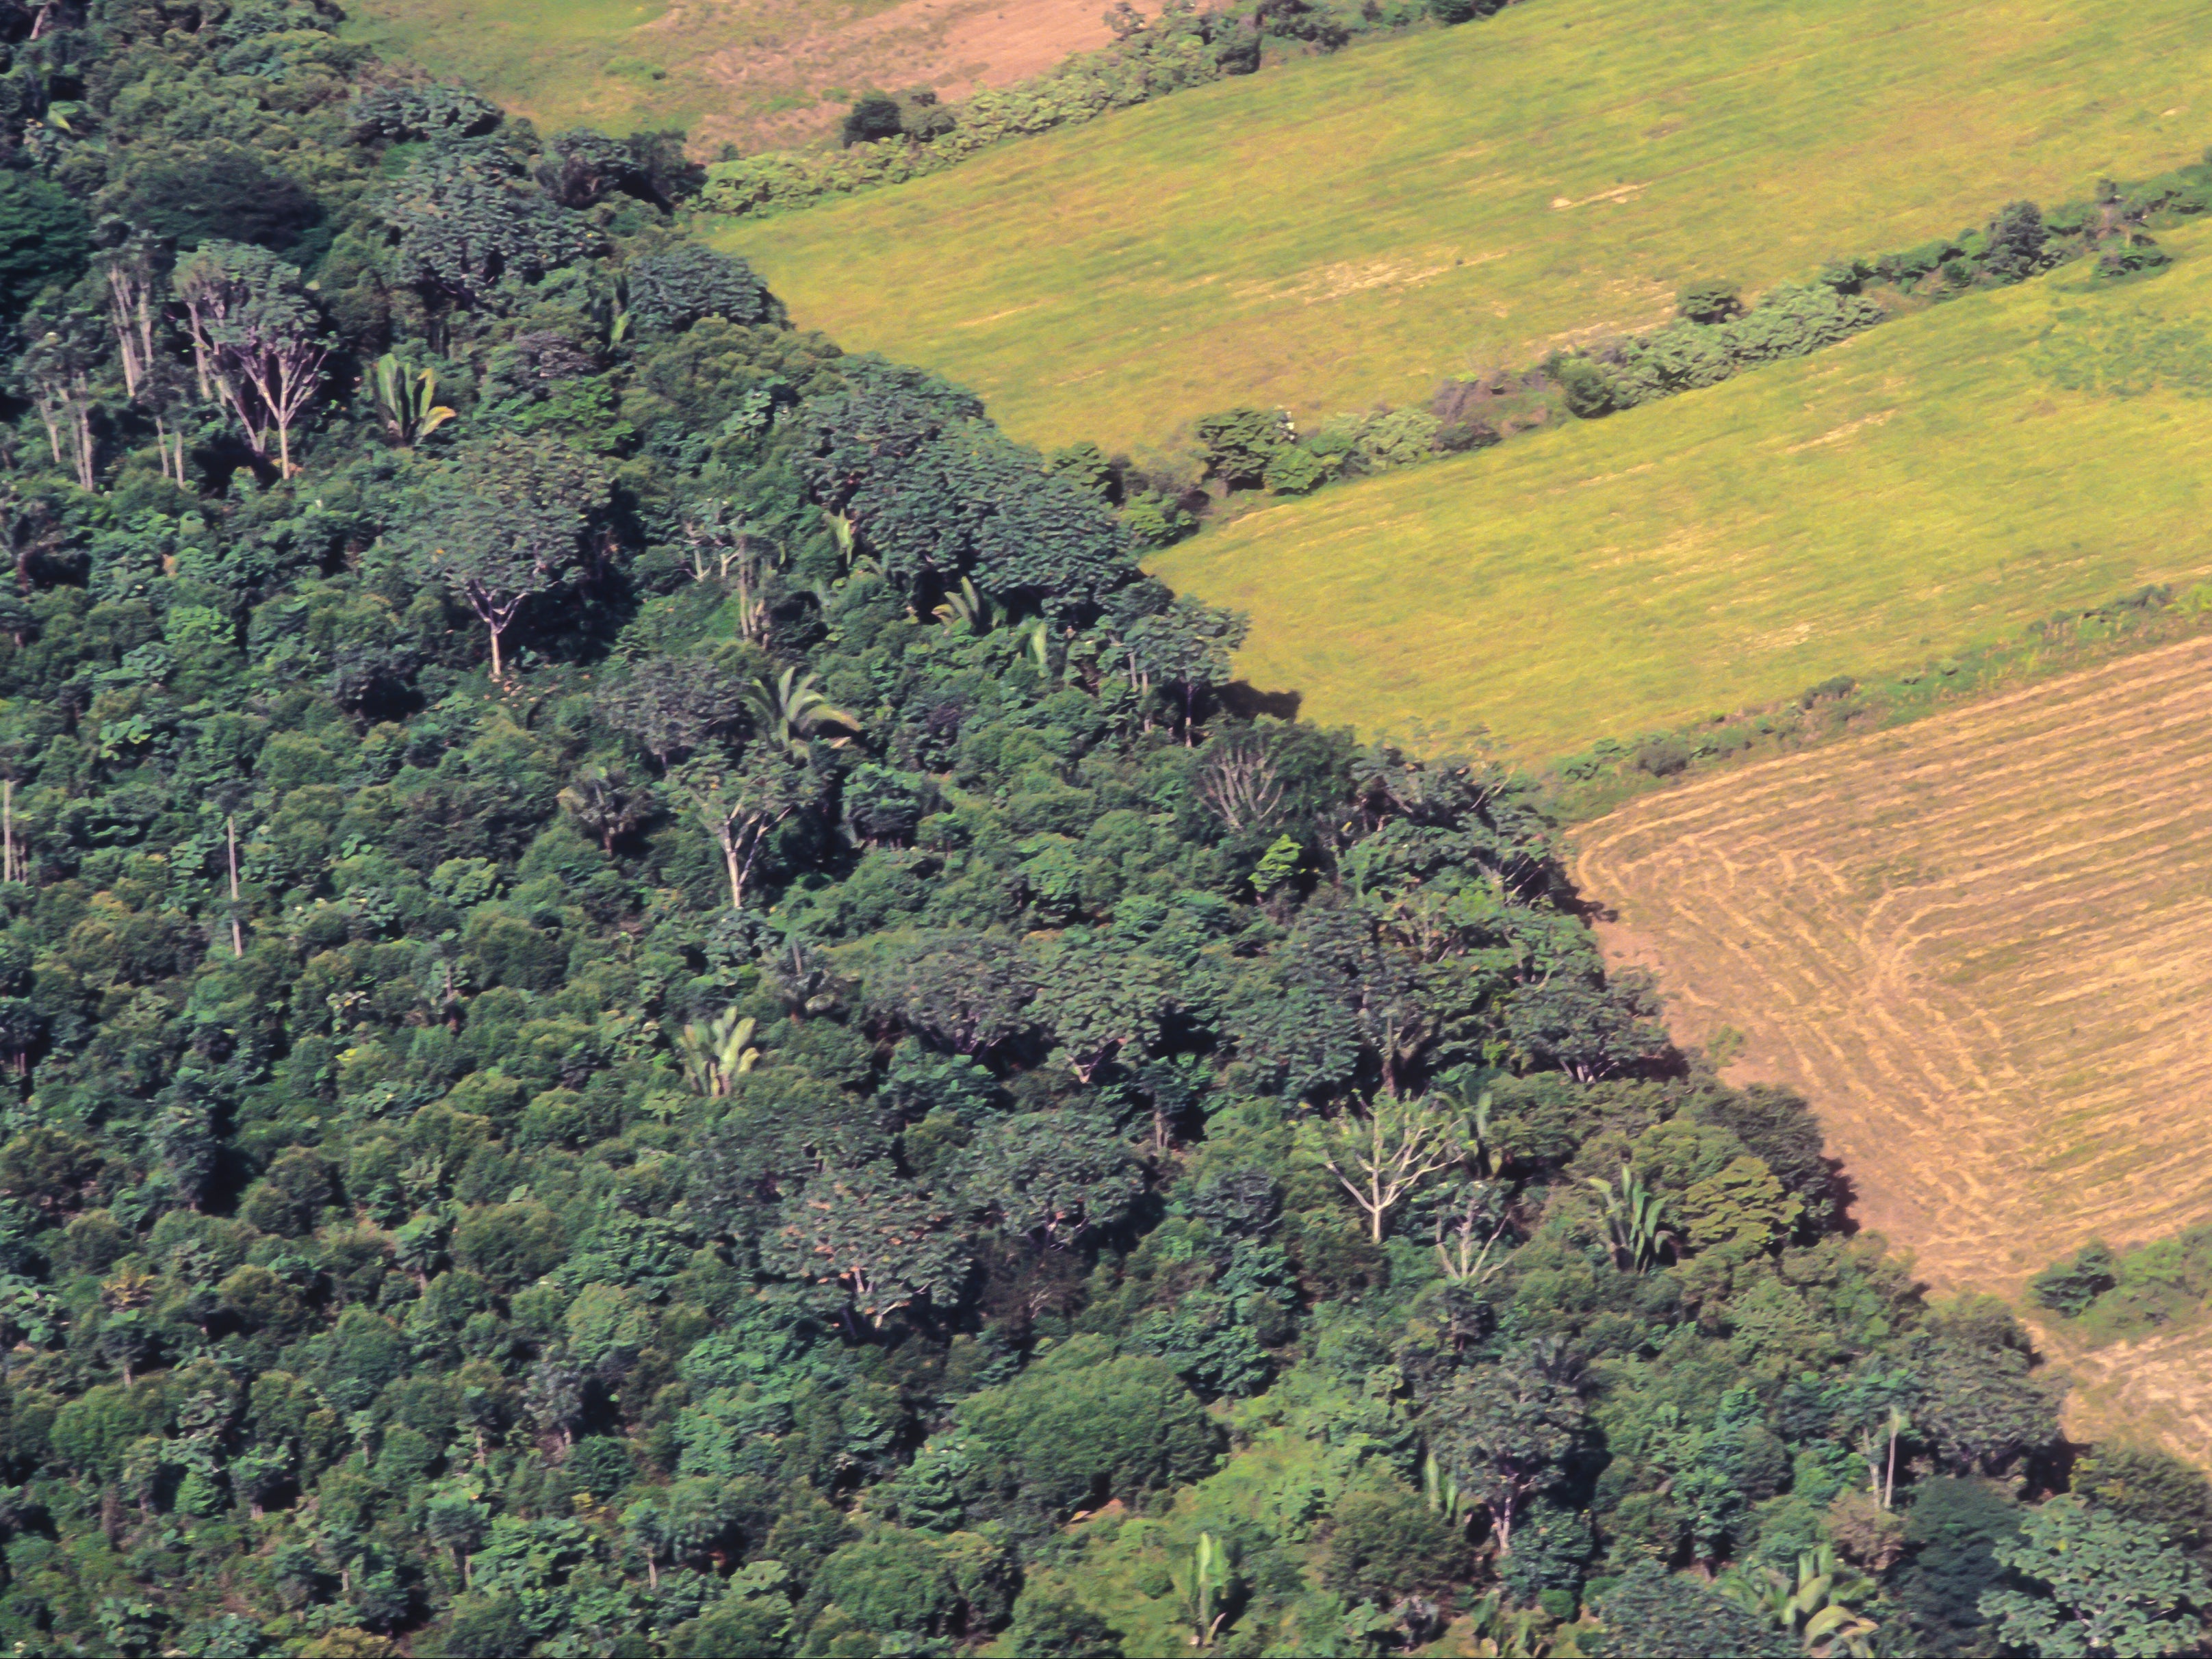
(1712, 337)
(889, 140)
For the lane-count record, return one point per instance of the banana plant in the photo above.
(1635, 1221)
(1818, 1605)
(1440, 1489)
(789, 710)
(1207, 1584)
(714, 1057)
(969, 608)
(408, 404)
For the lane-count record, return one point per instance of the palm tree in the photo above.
(1635, 1220)
(605, 806)
(719, 1054)
(789, 710)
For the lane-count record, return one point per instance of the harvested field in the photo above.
(757, 73)
(1982, 947)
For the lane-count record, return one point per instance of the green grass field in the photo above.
(1340, 230)
(1926, 487)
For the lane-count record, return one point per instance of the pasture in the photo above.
(1930, 487)
(1340, 230)
(1979, 946)
(758, 73)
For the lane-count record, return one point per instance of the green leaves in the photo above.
(2093, 1585)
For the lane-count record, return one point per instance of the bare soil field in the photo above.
(760, 73)
(1982, 947)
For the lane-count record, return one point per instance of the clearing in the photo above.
(1333, 231)
(761, 74)
(1931, 486)
(1980, 945)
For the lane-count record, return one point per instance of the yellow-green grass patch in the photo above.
(1932, 486)
(1336, 231)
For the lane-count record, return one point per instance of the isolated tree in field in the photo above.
(743, 801)
(1380, 1155)
(258, 341)
(2089, 1584)
(513, 525)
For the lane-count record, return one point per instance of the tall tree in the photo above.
(257, 340)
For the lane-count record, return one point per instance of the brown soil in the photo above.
(1982, 947)
(956, 46)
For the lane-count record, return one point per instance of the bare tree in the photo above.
(1239, 781)
(257, 340)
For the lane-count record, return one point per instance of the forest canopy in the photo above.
(655, 1003)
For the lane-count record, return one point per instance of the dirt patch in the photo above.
(1982, 947)
(956, 46)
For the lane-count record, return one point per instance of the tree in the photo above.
(258, 341)
(1210, 1588)
(1507, 1431)
(1052, 1175)
(1589, 1028)
(1652, 1611)
(1381, 1155)
(2068, 1287)
(964, 991)
(674, 287)
(1240, 442)
(513, 526)
(1187, 645)
(743, 802)
(888, 1243)
(605, 804)
(1098, 998)
(717, 1054)
(44, 237)
(467, 216)
(2090, 1585)
(671, 705)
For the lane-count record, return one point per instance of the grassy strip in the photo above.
(1614, 771)
(1932, 487)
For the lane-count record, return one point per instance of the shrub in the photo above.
(1239, 443)
(1389, 1544)
(1588, 393)
(1295, 471)
(874, 115)
(2068, 1287)
(1663, 758)
(1710, 301)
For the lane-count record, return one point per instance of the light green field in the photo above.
(1340, 230)
(1928, 487)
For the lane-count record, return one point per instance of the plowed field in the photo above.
(1982, 947)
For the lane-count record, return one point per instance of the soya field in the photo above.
(1978, 946)
(1337, 231)
(1932, 485)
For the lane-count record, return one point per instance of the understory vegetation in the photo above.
(652, 1007)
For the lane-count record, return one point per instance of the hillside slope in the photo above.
(1358, 227)
(1933, 485)
(1976, 945)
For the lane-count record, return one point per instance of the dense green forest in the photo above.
(656, 1004)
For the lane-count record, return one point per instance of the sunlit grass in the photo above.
(1928, 487)
(1336, 231)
